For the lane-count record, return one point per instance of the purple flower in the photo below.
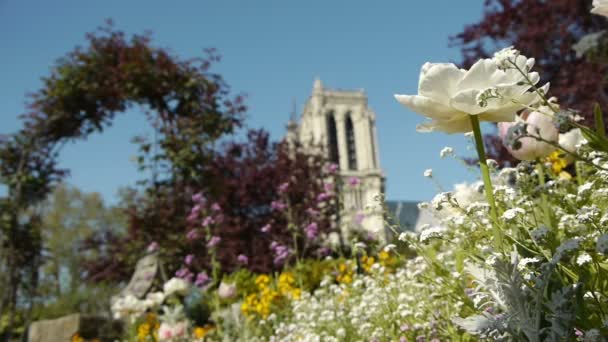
(243, 259)
(332, 168)
(188, 259)
(328, 187)
(278, 206)
(216, 207)
(354, 181)
(207, 221)
(312, 230)
(214, 241)
(359, 217)
(578, 333)
(201, 279)
(281, 253)
(266, 228)
(152, 247)
(273, 245)
(198, 197)
(192, 234)
(403, 339)
(185, 274)
(323, 251)
(404, 327)
(322, 197)
(312, 212)
(283, 187)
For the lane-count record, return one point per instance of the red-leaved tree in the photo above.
(547, 31)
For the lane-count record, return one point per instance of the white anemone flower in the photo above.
(176, 285)
(600, 7)
(448, 95)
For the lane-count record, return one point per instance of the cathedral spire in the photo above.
(317, 86)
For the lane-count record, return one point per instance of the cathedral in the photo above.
(345, 126)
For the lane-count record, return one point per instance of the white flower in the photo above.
(525, 261)
(583, 259)
(226, 291)
(585, 187)
(571, 141)
(512, 213)
(128, 306)
(587, 42)
(428, 173)
(600, 7)
(156, 298)
(432, 232)
(405, 236)
(505, 57)
(389, 247)
(172, 331)
(448, 95)
(446, 151)
(175, 285)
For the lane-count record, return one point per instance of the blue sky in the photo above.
(272, 50)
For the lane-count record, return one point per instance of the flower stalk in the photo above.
(485, 174)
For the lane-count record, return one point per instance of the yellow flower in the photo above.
(262, 281)
(77, 338)
(558, 162)
(143, 331)
(200, 332)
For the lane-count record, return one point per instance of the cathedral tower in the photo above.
(342, 122)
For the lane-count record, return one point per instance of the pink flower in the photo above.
(152, 247)
(332, 168)
(243, 259)
(266, 228)
(312, 212)
(201, 279)
(537, 124)
(192, 234)
(283, 187)
(322, 197)
(214, 241)
(216, 207)
(188, 259)
(198, 197)
(354, 181)
(207, 221)
(278, 206)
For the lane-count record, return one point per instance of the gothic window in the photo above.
(350, 143)
(332, 139)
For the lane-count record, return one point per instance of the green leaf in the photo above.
(599, 121)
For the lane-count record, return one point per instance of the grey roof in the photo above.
(403, 213)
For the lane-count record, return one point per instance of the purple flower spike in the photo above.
(243, 259)
(214, 241)
(201, 279)
(312, 230)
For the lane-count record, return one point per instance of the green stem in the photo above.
(485, 174)
(543, 197)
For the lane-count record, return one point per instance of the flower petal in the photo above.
(427, 107)
(438, 81)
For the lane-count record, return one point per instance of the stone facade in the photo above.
(343, 125)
